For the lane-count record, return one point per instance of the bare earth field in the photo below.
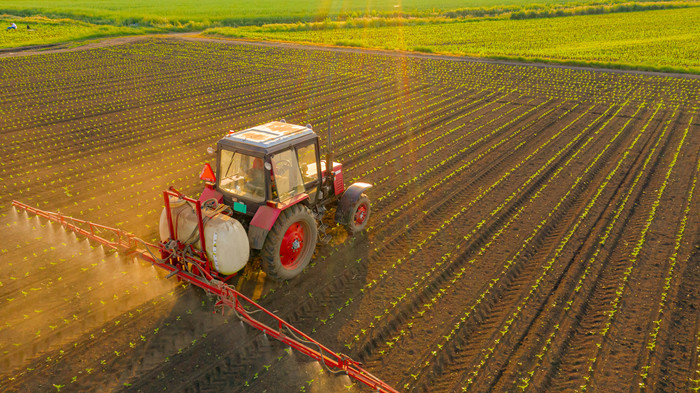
(533, 228)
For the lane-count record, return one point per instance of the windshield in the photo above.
(242, 175)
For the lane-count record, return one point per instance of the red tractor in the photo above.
(270, 192)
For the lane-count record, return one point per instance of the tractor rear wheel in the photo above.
(290, 244)
(358, 215)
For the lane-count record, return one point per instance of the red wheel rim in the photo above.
(292, 246)
(361, 214)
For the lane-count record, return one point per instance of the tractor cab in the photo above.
(268, 164)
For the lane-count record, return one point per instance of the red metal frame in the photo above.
(202, 263)
(179, 260)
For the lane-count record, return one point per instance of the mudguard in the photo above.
(351, 195)
(265, 217)
(261, 224)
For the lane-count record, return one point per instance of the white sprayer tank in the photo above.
(225, 239)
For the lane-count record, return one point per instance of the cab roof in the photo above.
(268, 137)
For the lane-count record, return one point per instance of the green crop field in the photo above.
(647, 35)
(655, 40)
(42, 31)
(242, 11)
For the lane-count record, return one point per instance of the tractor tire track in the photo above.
(546, 324)
(458, 198)
(573, 350)
(493, 308)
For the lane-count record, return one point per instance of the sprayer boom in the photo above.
(191, 267)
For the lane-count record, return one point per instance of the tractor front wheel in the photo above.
(358, 215)
(290, 244)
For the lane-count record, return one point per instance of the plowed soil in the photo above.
(532, 228)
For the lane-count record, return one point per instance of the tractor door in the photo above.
(286, 175)
(309, 164)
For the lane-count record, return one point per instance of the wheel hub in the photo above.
(360, 215)
(292, 246)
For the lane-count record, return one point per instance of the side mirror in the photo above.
(211, 151)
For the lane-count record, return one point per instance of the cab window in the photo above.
(307, 162)
(242, 175)
(288, 178)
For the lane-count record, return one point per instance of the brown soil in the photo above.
(533, 228)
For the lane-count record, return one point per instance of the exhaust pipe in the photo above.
(329, 154)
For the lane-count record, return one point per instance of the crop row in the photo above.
(658, 320)
(581, 217)
(397, 263)
(567, 299)
(632, 261)
(546, 267)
